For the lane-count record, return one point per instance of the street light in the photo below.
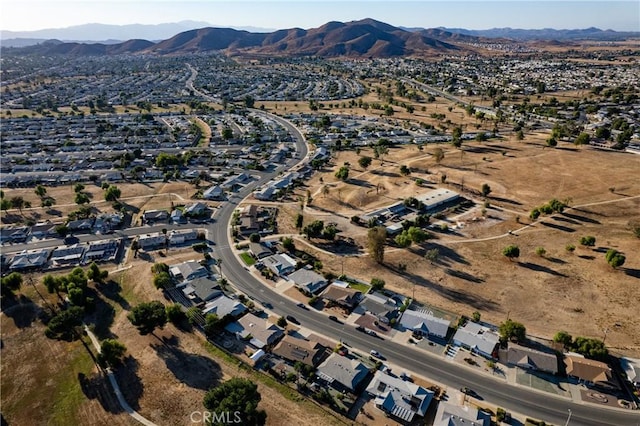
(568, 418)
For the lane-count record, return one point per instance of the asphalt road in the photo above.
(533, 404)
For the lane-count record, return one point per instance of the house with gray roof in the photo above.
(531, 359)
(399, 398)
(280, 264)
(258, 331)
(425, 324)
(477, 338)
(29, 259)
(213, 193)
(342, 373)
(259, 250)
(223, 306)
(200, 290)
(380, 306)
(450, 414)
(295, 350)
(308, 280)
(346, 297)
(188, 270)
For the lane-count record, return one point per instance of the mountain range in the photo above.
(365, 38)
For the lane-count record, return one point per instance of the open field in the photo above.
(471, 274)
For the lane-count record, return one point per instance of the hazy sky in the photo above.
(20, 15)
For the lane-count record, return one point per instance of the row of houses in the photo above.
(65, 256)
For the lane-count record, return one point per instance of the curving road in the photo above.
(522, 400)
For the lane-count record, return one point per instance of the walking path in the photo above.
(116, 388)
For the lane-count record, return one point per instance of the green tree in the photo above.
(212, 324)
(456, 136)
(590, 348)
(512, 330)
(227, 133)
(376, 239)
(82, 198)
(112, 193)
(364, 162)
(40, 191)
(162, 280)
(476, 316)
(299, 221)
(511, 252)
(615, 258)
(329, 233)
(377, 284)
(288, 244)
(146, 317)
(254, 237)
(236, 395)
(342, 173)
(17, 202)
(404, 170)
(552, 142)
(175, 314)
(438, 155)
(486, 190)
(282, 322)
(111, 352)
(63, 325)
(564, 338)
(11, 283)
(520, 135)
(588, 241)
(403, 240)
(432, 255)
(314, 229)
(94, 273)
(540, 251)
(535, 213)
(78, 187)
(5, 204)
(249, 101)
(582, 139)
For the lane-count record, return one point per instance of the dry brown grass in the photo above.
(586, 294)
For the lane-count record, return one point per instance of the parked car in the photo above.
(302, 306)
(465, 390)
(360, 328)
(371, 332)
(292, 319)
(376, 354)
(333, 318)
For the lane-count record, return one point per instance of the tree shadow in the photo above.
(194, 370)
(20, 309)
(581, 218)
(360, 182)
(129, 381)
(586, 257)
(632, 272)
(96, 387)
(447, 255)
(540, 268)
(558, 227)
(473, 300)
(505, 200)
(111, 290)
(555, 260)
(566, 220)
(464, 276)
(102, 316)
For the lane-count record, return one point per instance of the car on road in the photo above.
(360, 328)
(302, 306)
(404, 376)
(334, 318)
(465, 390)
(371, 332)
(292, 319)
(376, 354)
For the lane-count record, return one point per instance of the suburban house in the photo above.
(15, 234)
(424, 324)
(200, 290)
(249, 221)
(151, 216)
(30, 259)
(308, 280)
(181, 236)
(101, 251)
(298, 350)
(44, 230)
(590, 371)
(81, 225)
(478, 339)
(67, 255)
(342, 373)
(258, 331)
(195, 209)
(380, 306)
(449, 414)
(188, 270)
(346, 297)
(259, 250)
(214, 193)
(152, 241)
(177, 217)
(399, 398)
(531, 359)
(223, 306)
(280, 264)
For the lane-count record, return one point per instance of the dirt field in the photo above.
(586, 294)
